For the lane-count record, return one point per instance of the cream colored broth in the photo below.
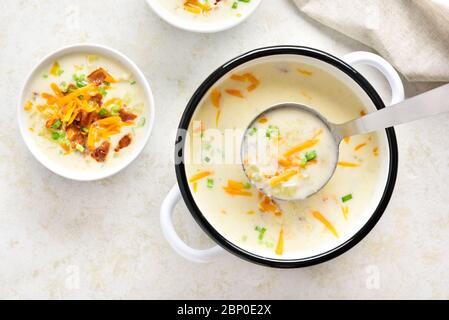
(289, 153)
(219, 11)
(126, 89)
(296, 228)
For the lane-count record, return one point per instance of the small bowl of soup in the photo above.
(242, 215)
(204, 16)
(86, 112)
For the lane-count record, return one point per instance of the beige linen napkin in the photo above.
(412, 34)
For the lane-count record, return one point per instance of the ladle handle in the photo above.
(428, 104)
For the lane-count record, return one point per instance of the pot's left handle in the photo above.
(168, 229)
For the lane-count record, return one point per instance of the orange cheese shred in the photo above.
(199, 176)
(280, 245)
(317, 215)
(303, 146)
(235, 92)
(348, 164)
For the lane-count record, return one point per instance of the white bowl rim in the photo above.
(114, 54)
(213, 28)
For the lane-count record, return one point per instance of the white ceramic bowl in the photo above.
(201, 27)
(37, 151)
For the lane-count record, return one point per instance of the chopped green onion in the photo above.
(80, 80)
(261, 231)
(55, 135)
(246, 1)
(252, 131)
(210, 183)
(57, 124)
(115, 109)
(310, 155)
(346, 197)
(103, 112)
(85, 129)
(45, 76)
(133, 82)
(80, 148)
(303, 162)
(60, 72)
(272, 131)
(102, 91)
(235, 5)
(207, 159)
(247, 185)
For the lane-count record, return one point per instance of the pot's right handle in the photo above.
(373, 60)
(168, 229)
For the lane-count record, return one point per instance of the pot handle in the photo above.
(168, 229)
(376, 61)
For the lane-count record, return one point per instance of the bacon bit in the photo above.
(305, 72)
(199, 176)
(98, 99)
(28, 106)
(359, 146)
(123, 142)
(263, 119)
(348, 164)
(362, 113)
(126, 116)
(280, 245)
(86, 118)
(345, 210)
(99, 76)
(195, 186)
(317, 215)
(266, 204)
(301, 147)
(215, 97)
(376, 151)
(287, 175)
(235, 92)
(101, 152)
(235, 188)
(75, 136)
(347, 139)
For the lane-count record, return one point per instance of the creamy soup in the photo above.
(249, 218)
(289, 153)
(208, 11)
(86, 112)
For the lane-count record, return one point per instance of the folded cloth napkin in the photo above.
(412, 34)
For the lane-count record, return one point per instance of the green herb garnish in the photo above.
(235, 5)
(85, 129)
(133, 82)
(252, 131)
(115, 109)
(55, 135)
(210, 183)
(247, 185)
(103, 112)
(102, 91)
(80, 80)
(346, 197)
(57, 124)
(310, 155)
(261, 231)
(272, 131)
(79, 147)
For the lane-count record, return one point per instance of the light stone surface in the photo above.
(65, 239)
